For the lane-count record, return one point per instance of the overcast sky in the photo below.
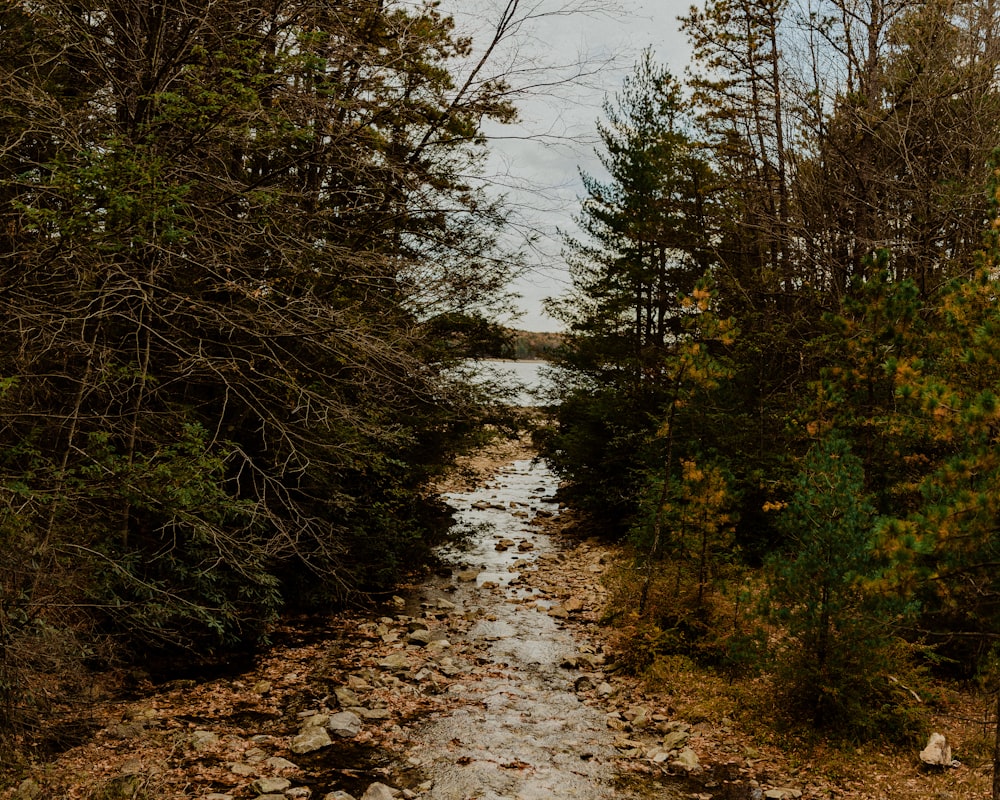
(536, 161)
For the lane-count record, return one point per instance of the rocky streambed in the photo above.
(482, 683)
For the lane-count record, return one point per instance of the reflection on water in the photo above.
(529, 375)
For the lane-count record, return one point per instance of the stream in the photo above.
(521, 731)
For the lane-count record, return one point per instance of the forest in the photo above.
(780, 380)
(244, 258)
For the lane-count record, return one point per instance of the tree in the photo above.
(644, 248)
(239, 253)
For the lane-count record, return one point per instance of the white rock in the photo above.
(345, 724)
(311, 739)
(938, 751)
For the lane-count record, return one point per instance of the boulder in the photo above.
(346, 725)
(311, 739)
(937, 753)
(686, 760)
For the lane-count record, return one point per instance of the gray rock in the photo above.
(311, 739)
(218, 796)
(270, 785)
(420, 636)
(686, 760)
(202, 740)
(675, 740)
(781, 793)
(937, 753)
(242, 769)
(346, 698)
(379, 791)
(339, 795)
(346, 725)
(280, 764)
(395, 661)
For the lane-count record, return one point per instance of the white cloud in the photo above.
(574, 59)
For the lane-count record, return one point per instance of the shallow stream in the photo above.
(519, 729)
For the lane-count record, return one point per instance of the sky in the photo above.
(535, 163)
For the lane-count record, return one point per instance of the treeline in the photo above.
(532, 345)
(240, 257)
(782, 375)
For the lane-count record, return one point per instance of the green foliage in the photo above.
(842, 649)
(240, 257)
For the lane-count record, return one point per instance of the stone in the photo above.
(270, 785)
(262, 687)
(379, 791)
(311, 739)
(202, 740)
(686, 760)
(315, 720)
(338, 795)
(28, 790)
(396, 662)
(438, 645)
(421, 636)
(504, 544)
(279, 764)
(675, 740)
(218, 796)
(299, 792)
(346, 725)
(244, 770)
(573, 604)
(467, 575)
(937, 753)
(346, 697)
(782, 793)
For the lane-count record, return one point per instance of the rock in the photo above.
(573, 604)
(396, 662)
(311, 739)
(299, 791)
(421, 636)
(262, 687)
(346, 698)
(244, 770)
(583, 684)
(438, 645)
(28, 790)
(338, 795)
(605, 689)
(686, 760)
(558, 612)
(675, 740)
(504, 544)
(780, 793)
(937, 753)
(218, 796)
(467, 575)
(525, 546)
(279, 764)
(379, 791)
(446, 605)
(314, 720)
(346, 725)
(373, 713)
(398, 603)
(270, 785)
(202, 740)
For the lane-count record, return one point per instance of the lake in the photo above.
(527, 374)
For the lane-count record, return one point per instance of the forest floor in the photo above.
(689, 733)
